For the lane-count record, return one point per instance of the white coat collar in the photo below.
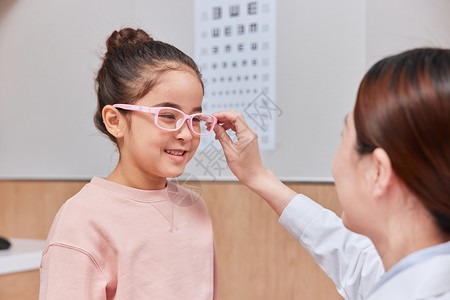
(427, 279)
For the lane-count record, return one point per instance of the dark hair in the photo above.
(131, 67)
(403, 107)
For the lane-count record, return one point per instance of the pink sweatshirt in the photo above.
(111, 241)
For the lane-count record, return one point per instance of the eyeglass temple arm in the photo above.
(134, 107)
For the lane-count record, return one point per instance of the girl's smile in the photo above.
(178, 155)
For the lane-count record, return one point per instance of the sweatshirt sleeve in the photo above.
(349, 259)
(70, 273)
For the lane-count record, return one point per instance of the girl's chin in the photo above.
(173, 170)
(174, 173)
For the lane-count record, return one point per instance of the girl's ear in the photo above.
(383, 175)
(114, 121)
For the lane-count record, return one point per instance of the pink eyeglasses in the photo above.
(171, 119)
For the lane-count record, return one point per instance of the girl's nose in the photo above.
(184, 132)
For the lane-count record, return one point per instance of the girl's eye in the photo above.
(196, 119)
(167, 116)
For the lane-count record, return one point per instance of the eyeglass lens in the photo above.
(171, 119)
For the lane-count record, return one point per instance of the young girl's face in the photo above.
(151, 153)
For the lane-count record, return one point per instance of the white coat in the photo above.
(355, 266)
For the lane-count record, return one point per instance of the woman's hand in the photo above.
(242, 155)
(245, 162)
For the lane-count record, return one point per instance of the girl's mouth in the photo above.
(175, 152)
(178, 156)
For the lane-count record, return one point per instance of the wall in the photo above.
(395, 26)
(49, 62)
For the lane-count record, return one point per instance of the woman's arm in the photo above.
(349, 259)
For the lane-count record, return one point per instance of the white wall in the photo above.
(394, 26)
(49, 54)
(50, 49)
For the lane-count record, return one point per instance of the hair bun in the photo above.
(127, 36)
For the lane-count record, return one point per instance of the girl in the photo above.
(392, 175)
(126, 236)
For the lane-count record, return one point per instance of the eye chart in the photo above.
(235, 51)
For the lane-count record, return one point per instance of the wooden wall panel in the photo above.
(27, 208)
(257, 258)
(20, 286)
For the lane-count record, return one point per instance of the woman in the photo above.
(392, 175)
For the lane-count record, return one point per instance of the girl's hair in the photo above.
(131, 67)
(403, 107)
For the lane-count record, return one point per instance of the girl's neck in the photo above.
(137, 181)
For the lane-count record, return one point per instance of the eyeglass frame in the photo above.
(155, 111)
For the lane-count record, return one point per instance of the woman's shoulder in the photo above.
(429, 279)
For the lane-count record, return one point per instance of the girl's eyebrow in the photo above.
(168, 104)
(174, 105)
